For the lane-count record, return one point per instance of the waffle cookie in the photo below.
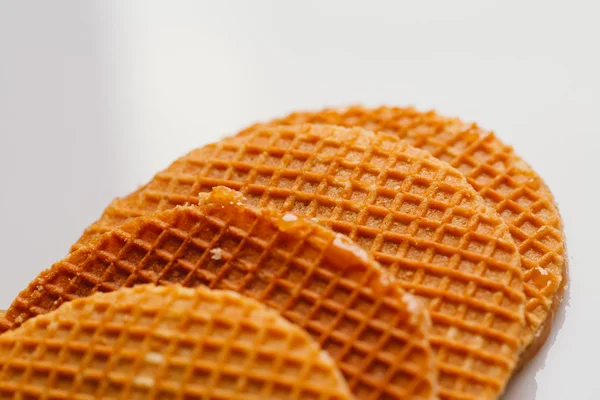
(501, 177)
(419, 217)
(377, 334)
(169, 342)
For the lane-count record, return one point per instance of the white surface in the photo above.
(94, 100)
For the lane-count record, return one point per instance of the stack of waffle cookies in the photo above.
(347, 253)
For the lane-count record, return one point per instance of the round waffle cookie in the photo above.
(501, 177)
(419, 217)
(169, 342)
(377, 334)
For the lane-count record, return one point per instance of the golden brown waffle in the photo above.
(418, 216)
(500, 176)
(169, 342)
(377, 334)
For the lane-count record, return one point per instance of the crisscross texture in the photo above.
(500, 176)
(377, 334)
(418, 215)
(167, 342)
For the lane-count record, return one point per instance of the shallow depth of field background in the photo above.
(95, 97)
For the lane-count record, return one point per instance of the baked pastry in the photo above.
(419, 216)
(165, 342)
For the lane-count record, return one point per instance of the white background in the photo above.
(97, 96)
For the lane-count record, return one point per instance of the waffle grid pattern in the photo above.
(378, 338)
(418, 216)
(501, 177)
(165, 343)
